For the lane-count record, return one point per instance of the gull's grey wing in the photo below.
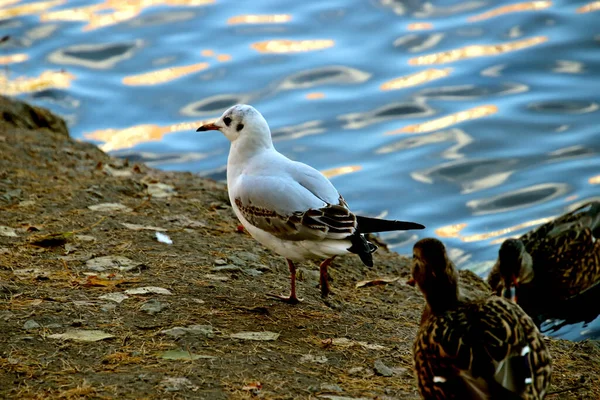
(300, 205)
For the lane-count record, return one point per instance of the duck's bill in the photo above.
(208, 127)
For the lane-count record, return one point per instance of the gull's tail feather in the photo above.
(362, 247)
(373, 225)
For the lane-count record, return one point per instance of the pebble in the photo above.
(108, 307)
(30, 325)
(226, 268)
(193, 330)
(219, 261)
(252, 272)
(331, 387)
(360, 371)
(153, 306)
(382, 369)
(245, 255)
(237, 260)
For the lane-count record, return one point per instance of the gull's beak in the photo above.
(208, 127)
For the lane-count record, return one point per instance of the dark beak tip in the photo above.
(201, 129)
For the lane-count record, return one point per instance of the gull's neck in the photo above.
(245, 148)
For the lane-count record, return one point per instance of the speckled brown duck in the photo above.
(552, 263)
(487, 348)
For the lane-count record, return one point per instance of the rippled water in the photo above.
(479, 120)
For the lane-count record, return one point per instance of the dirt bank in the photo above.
(70, 264)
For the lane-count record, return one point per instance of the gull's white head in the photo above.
(244, 123)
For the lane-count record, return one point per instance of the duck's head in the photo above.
(241, 122)
(435, 274)
(515, 266)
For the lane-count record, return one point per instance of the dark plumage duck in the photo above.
(480, 349)
(552, 263)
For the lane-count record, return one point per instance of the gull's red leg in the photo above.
(292, 298)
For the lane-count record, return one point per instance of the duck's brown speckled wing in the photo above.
(566, 251)
(476, 352)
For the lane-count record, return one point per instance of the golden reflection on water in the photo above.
(420, 26)
(330, 173)
(476, 51)
(448, 120)
(315, 95)
(529, 6)
(117, 139)
(415, 79)
(450, 231)
(163, 75)
(100, 15)
(590, 7)
(13, 58)
(594, 180)
(292, 46)
(27, 9)
(259, 19)
(46, 80)
(453, 231)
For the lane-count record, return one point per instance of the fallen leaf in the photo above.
(82, 335)
(112, 262)
(148, 290)
(377, 281)
(7, 231)
(109, 207)
(161, 237)
(182, 355)
(266, 336)
(116, 297)
(137, 227)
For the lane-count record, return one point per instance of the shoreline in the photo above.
(78, 243)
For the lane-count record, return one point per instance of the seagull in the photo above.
(487, 348)
(289, 207)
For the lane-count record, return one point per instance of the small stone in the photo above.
(237, 261)
(247, 256)
(100, 264)
(26, 203)
(360, 371)
(108, 307)
(226, 268)
(30, 325)
(153, 306)
(85, 238)
(261, 267)
(192, 330)
(7, 231)
(173, 384)
(219, 278)
(109, 207)
(382, 369)
(400, 371)
(117, 297)
(219, 261)
(252, 272)
(331, 387)
(313, 359)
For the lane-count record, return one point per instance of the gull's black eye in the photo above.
(240, 127)
(227, 121)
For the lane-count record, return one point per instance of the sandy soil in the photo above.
(67, 272)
